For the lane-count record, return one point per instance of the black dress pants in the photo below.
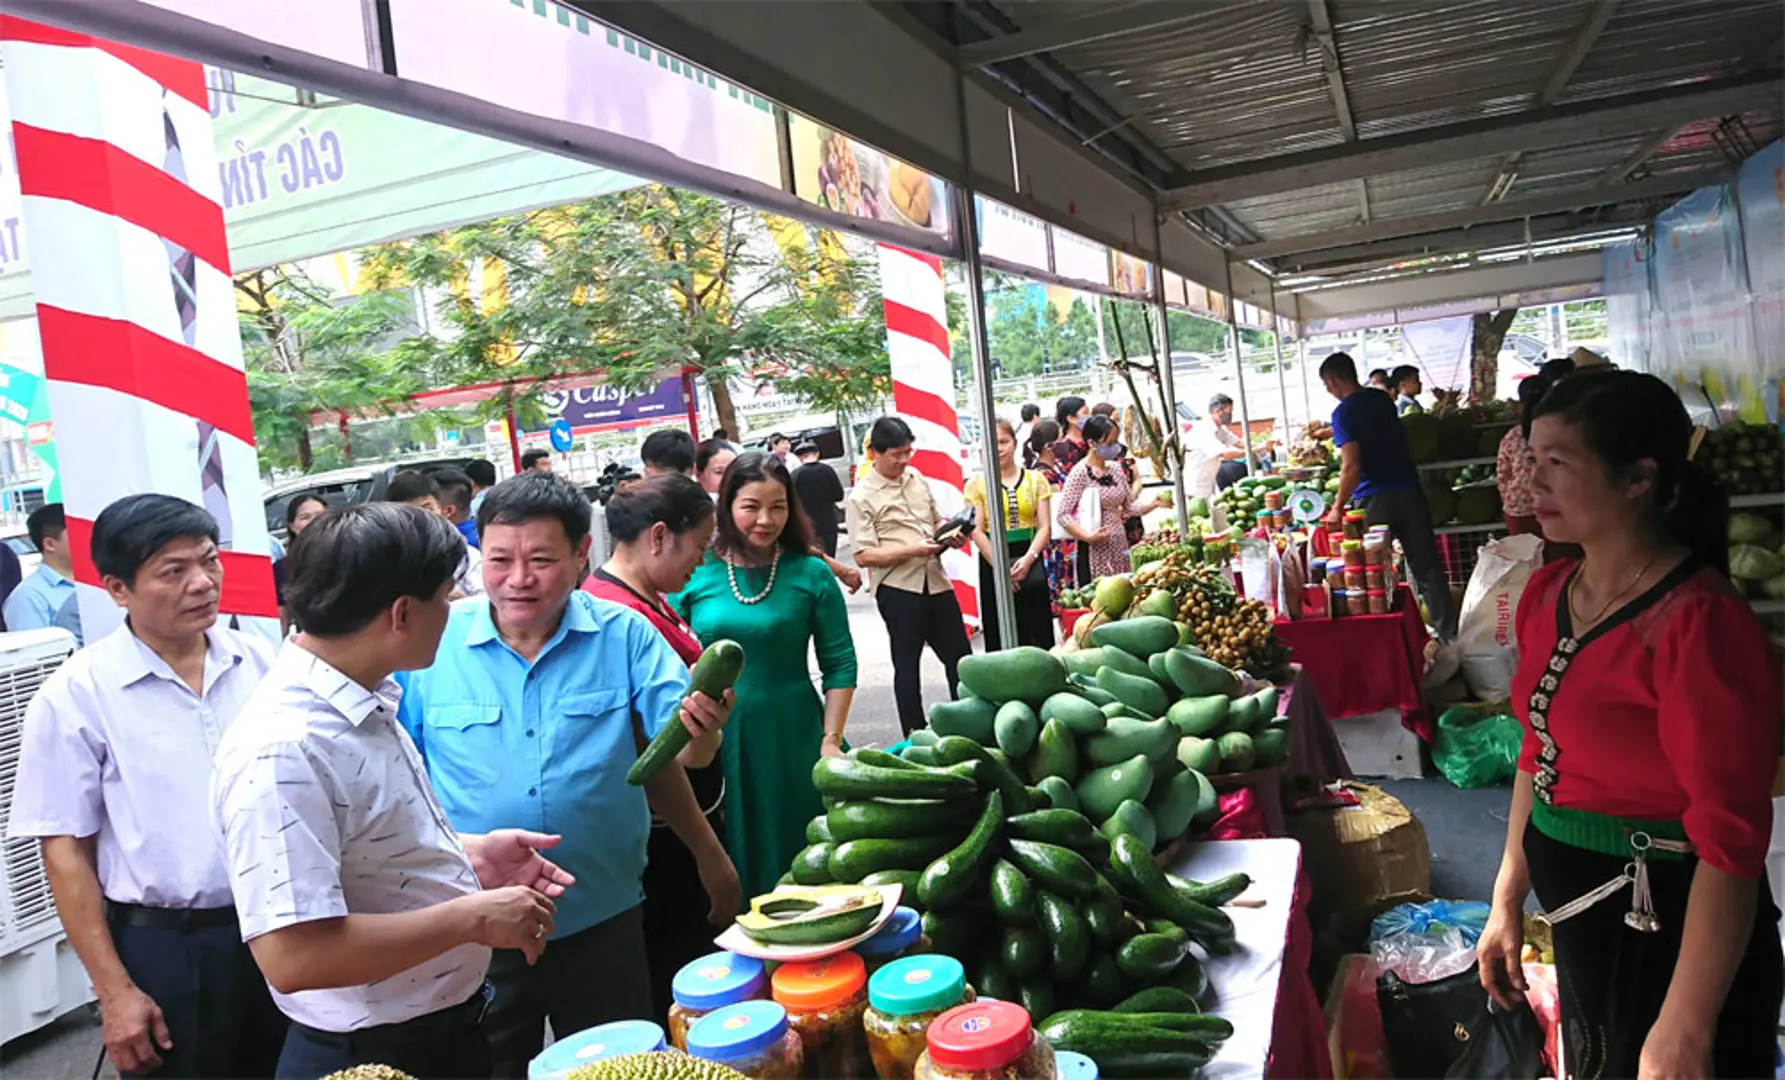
(914, 620)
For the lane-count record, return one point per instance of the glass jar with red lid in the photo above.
(986, 1040)
(826, 1001)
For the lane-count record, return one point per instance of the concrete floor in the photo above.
(1466, 830)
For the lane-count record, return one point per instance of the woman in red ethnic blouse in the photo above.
(1651, 701)
(661, 528)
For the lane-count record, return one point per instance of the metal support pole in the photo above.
(1277, 343)
(1168, 430)
(967, 224)
(1239, 372)
(1301, 342)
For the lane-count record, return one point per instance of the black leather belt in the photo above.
(465, 1016)
(169, 918)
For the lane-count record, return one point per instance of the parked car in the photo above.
(19, 540)
(343, 487)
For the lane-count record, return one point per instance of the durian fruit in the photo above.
(661, 1065)
(369, 1072)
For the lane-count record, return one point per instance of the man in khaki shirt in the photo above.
(892, 518)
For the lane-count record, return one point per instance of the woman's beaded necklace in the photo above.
(731, 574)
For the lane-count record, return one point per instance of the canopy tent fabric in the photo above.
(301, 177)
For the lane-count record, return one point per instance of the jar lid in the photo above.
(1376, 592)
(737, 1031)
(1351, 545)
(900, 933)
(608, 1040)
(979, 1036)
(1071, 1066)
(719, 979)
(1354, 515)
(917, 984)
(1263, 514)
(820, 984)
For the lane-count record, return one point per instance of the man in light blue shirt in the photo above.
(33, 605)
(533, 710)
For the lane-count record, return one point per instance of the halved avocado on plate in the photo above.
(811, 915)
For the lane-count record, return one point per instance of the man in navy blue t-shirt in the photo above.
(1378, 471)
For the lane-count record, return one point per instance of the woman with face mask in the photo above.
(763, 587)
(1650, 697)
(1071, 413)
(1102, 544)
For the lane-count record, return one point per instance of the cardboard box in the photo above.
(1358, 855)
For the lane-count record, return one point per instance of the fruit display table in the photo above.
(1262, 987)
(1363, 664)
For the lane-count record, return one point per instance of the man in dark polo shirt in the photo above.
(1378, 471)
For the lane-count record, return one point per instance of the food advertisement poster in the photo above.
(1011, 236)
(1079, 259)
(1761, 190)
(850, 177)
(1131, 276)
(1701, 287)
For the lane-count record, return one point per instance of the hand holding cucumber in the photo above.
(703, 718)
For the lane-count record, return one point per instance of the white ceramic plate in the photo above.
(735, 940)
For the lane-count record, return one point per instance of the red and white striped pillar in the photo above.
(134, 301)
(923, 392)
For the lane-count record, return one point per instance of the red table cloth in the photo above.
(1361, 664)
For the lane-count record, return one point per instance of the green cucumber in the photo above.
(841, 778)
(818, 831)
(1124, 1051)
(957, 932)
(1100, 791)
(1141, 694)
(1148, 958)
(906, 880)
(1058, 793)
(1103, 918)
(1132, 867)
(1038, 997)
(853, 860)
(1013, 894)
(970, 718)
(1015, 728)
(1068, 940)
(1025, 673)
(869, 756)
(919, 755)
(812, 865)
(1081, 715)
(894, 819)
(1056, 753)
(954, 750)
(1103, 981)
(1024, 951)
(1158, 999)
(993, 981)
(1067, 828)
(1054, 867)
(1211, 893)
(714, 673)
(953, 874)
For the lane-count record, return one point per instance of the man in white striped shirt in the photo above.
(371, 918)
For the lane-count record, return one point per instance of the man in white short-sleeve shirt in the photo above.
(372, 920)
(114, 777)
(1210, 445)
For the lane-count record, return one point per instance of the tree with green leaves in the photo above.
(644, 284)
(310, 355)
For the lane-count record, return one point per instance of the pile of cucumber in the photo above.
(1039, 905)
(1126, 732)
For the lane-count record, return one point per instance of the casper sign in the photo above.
(590, 409)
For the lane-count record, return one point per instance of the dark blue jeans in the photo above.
(219, 1012)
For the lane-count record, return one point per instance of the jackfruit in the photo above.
(1424, 437)
(369, 1072)
(1478, 506)
(659, 1065)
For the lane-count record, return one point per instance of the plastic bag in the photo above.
(1473, 750)
(1500, 1045)
(1422, 943)
(1487, 634)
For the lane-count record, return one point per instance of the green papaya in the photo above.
(1138, 693)
(1200, 754)
(1198, 715)
(1132, 818)
(1198, 676)
(1123, 738)
(970, 718)
(1055, 754)
(1079, 715)
(1015, 727)
(1271, 746)
(1139, 636)
(1173, 804)
(1024, 673)
(1100, 791)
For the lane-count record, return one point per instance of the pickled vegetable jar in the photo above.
(901, 936)
(903, 998)
(753, 1037)
(1378, 601)
(1071, 1066)
(987, 1040)
(604, 1041)
(712, 982)
(826, 1001)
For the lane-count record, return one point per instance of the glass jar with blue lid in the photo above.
(902, 936)
(753, 1037)
(903, 998)
(710, 983)
(595, 1044)
(1071, 1066)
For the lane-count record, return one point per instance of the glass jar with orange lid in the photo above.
(903, 998)
(712, 982)
(987, 1040)
(825, 1001)
(901, 936)
(753, 1037)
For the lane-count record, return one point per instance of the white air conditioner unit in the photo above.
(40, 976)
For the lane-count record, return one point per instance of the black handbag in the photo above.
(1502, 1046)
(1426, 1025)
